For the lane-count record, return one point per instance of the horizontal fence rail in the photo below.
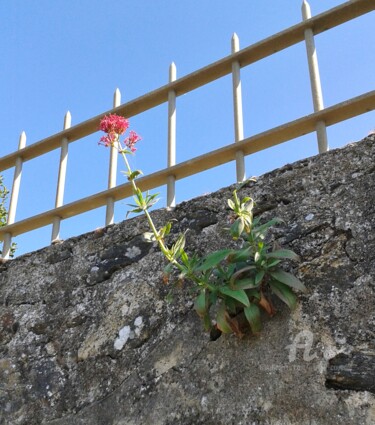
(236, 150)
(332, 115)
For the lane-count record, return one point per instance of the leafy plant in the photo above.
(240, 281)
(3, 197)
(231, 286)
(3, 210)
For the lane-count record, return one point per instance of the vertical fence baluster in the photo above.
(316, 88)
(171, 185)
(61, 180)
(237, 108)
(112, 175)
(14, 197)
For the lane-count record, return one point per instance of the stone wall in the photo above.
(87, 337)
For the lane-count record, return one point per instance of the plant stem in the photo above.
(163, 248)
(160, 241)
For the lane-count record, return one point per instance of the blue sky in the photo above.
(60, 55)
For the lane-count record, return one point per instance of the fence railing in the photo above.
(317, 121)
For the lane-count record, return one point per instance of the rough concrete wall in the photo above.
(86, 336)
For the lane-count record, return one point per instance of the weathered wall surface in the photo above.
(86, 336)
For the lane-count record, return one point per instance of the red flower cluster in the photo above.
(114, 126)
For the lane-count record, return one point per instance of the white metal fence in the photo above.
(232, 64)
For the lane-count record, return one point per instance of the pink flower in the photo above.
(114, 124)
(107, 141)
(131, 140)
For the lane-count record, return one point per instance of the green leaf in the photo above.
(283, 253)
(151, 197)
(212, 297)
(134, 174)
(164, 231)
(221, 320)
(246, 182)
(288, 279)
(223, 272)
(253, 293)
(212, 260)
(235, 197)
(180, 243)
(284, 293)
(132, 205)
(240, 255)
(273, 263)
(259, 277)
(150, 200)
(185, 258)
(238, 294)
(237, 228)
(138, 199)
(200, 304)
(231, 204)
(252, 314)
(231, 305)
(126, 152)
(239, 272)
(136, 210)
(168, 227)
(247, 283)
(249, 207)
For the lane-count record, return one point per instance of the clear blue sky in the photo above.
(59, 55)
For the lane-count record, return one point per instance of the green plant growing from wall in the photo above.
(231, 286)
(3, 210)
(3, 197)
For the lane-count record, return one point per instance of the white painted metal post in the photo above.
(171, 185)
(238, 116)
(14, 196)
(112, 175)
(61, 180)
(316, 88)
